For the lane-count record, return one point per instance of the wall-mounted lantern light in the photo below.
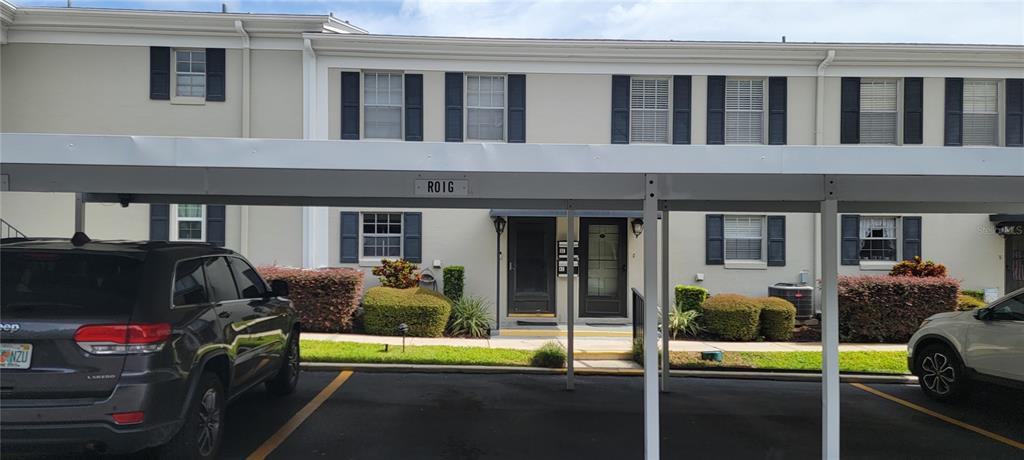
(638, 227)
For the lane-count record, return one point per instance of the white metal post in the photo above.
(667, 300)
(651, 409)
(829, 331)
(570, 237)
(79, 212)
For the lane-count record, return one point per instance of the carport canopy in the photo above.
(568, 178)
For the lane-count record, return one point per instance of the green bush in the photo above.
(398, 273)
(778, 317)
(454, 280)
(469, 318)
(551, 354)
(732, 316)
(967, 302)
(889, 309)
(976, 293)
(684, 322)
(690, 297)
(424, 311)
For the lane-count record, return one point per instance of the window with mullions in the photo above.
(190, 73)
(744, 237)
(382, 108)
(878, 111)
(382, 235)
(744, 111)
(878, 238)
(648, 110)
(981, 112)
(485, 107)
(189, 222)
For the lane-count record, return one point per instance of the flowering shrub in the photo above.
(919, 268)
(398, 273)
(890, 308)
(326, 299)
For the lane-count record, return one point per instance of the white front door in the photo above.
(995, 346)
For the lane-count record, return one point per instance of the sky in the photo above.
(905, 21)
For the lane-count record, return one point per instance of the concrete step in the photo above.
(561, 331)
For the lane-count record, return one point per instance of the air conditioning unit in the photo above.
(801, 296)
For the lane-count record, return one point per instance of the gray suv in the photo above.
(123, 346)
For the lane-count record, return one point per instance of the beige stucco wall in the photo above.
(276, 96)
(800, 105)
(433, 106)
(699, 109)
(933, 111)
(568, 108)
(833, 91)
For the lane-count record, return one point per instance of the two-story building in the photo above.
(89, 71)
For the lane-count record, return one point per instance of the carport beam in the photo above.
(829, 331)
(651, 408)
(667, 301)
(570, 274)
(79, 212)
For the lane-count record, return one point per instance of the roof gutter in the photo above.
(819, 96)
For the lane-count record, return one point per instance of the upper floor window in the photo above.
(744, 111)
(382, 109)
(878, 238)
(648, 110)
(878, 111)
(382, 234)
(981, 112)
(190, 73)
(744, 238)
(189, 222)
(485, 108)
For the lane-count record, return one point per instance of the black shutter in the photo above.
(160, 222)
(849, 253)
(215, 224)
(413, 107)
(350, 105)
(1015, 112)
(620, 109)
(517, 108)
(777, 114)
(681, 87)
(349, 237)
(714, 239)
(216, 84)
(913, 110)
(849, 111)
(776, 241)
(911, 237)
(954, 125)
(716, 110)
(413, 237)
(453, 107)
(159, 73)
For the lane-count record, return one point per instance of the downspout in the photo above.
(243, 225)
(819, 139)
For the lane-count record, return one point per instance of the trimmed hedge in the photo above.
(778, 317)
(732, 317)
(690, 297)
(454, 281)
(976, 293)
(425, 312)
(325, 299)
(890, 308)
(967, 302)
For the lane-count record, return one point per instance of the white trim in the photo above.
(363, 104)
(186, 100)
(373, 261)
(877, 265)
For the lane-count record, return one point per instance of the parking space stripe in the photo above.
(944, 418)
(292, 424)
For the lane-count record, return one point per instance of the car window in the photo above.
(250, 285)
(220, 280)
(1011, 309)
(55, 283)
(189, 283)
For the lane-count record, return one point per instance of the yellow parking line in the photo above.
(923, 410)
(274, 441)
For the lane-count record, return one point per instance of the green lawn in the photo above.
(349, 352)
(883, 362)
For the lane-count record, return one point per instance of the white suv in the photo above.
(949, 349)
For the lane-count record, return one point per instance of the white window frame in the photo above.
(175, 236)
(764, 110)
(364, 105)
(898, 112)
(869, 264)
(995, 113)
(761, 263)
(188, 100)
(375, 260)
(467, 107)
(667, 110)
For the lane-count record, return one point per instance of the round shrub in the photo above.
(424, 311)
(454, 280)
(690, 297)
(551, 354)
(968, 302)
(732, 316)
(778, 317)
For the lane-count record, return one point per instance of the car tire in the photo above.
(941, 373)
(287, 377)
(200, 436)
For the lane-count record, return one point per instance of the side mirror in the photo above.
(981, 314)
(279, 288)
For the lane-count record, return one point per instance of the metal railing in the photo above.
(638, 315)
(8, 231)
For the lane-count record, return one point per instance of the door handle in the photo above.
(224, 314)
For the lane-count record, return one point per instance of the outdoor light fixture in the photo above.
(499, 228)
(638, 227)
(499, 225)
(403, 329)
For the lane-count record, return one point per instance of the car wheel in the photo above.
(941, 374)
(287, 377)
(200, 435)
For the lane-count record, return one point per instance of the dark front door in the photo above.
(603, 267)
(1014, 262)
(531, 265)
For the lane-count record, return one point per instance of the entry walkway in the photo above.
(598, 345)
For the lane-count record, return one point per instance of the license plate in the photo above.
(15, 355)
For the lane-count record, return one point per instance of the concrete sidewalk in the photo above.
(598, 344)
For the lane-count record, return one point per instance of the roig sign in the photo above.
(442, 187)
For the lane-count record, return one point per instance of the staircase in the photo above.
(8, 231)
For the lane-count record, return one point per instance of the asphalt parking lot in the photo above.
(460, 416)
